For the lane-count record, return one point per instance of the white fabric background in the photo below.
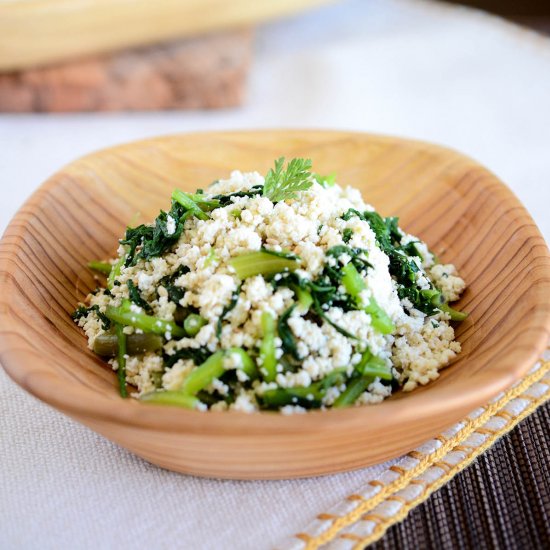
(403, 67)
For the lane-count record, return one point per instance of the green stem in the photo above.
(115, 271)
(186, 200)
(381, 321)
(247, 364)
(121, 358)
(354, 285)
(355, 387)
(305, 300)
(106, 344)
(352, 281)
(267, 348)
(147, 323)
(102, 267)
(261, 263)
(306, 396)
(204, 374)
(280, 397)
(204, 203)
(373, 366)
(453, 313)
(193, 323)
(437, 299)
(171, 398)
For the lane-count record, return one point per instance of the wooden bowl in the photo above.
(463, 211)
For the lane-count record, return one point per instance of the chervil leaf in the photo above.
(282, 184)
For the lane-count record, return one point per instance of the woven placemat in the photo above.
(502, 500)
(365, 515)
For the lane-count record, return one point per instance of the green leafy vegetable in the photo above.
(175, 293)
(204, 203)
(136, 298)
(322, 293)
(282, 184)
(357, 256)
(197, 355)
(402, 266)
(304, 297)
(438, 300)
(155, 240)
(454, 314)
(224, 200)
(285, 334)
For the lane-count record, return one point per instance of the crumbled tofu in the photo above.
(244, 403)
(170, 225)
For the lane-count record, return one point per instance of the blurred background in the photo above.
(76, 76)
(115, 55)
(531, 13)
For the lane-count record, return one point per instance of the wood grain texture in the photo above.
(41, 32)
(462, 210)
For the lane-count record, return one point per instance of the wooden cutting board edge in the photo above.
(39, 32)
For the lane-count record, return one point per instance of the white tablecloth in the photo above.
(404, 67)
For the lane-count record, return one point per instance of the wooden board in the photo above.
(204, 72)
(462, 210)
(38, 32)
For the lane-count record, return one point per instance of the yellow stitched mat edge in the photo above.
(337, 525)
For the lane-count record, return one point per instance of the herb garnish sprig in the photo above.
(282, 184)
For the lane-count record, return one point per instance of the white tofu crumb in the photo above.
(244, 403)
(170, 225)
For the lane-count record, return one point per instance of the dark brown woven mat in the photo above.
(501, 501)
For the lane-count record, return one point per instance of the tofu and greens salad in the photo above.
(286, 292)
